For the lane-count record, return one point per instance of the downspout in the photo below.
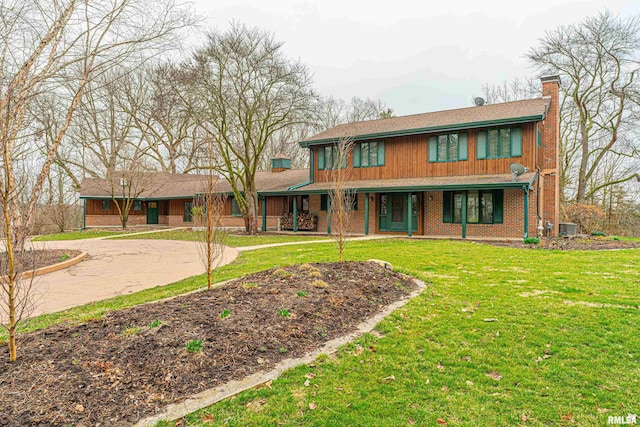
(526, 211)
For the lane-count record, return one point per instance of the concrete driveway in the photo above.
(117, 267)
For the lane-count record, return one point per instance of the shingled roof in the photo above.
(162, 185)
(462, 118)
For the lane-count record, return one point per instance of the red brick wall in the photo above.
(550, 205)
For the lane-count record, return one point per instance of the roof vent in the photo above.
(478, 101)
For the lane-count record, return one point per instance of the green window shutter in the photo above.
(433, 149)
(446, 206)
(516, 142)
(321, 160)
(481, 146)
(498, 206)
(380, 153)
(356, 156)
(463, 147)
(323, 202)
(539, 138)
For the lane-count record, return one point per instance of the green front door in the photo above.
(393, 210)
(152, 212)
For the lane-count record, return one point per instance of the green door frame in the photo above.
(408, 224)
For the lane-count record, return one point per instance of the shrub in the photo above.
(588, 217)
(282, 273)
(283, 312)
(194, 346)
(531, 241)
(315, 273)
(598, 234)
(301, 293)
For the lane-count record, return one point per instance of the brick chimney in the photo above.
(280, 163)
(550, 153)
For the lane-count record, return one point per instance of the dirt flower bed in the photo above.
(34, 259)
(129, 364)
(572, 243)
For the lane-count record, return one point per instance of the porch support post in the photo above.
(328, 214)
(295, 214)
(464, 214)
(409, 212)
(84, 213)
(366, 214)
(264, 213)
(526, 212)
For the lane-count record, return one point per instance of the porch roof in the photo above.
(464, 182)
(529, 110)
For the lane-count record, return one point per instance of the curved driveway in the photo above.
(117, 267)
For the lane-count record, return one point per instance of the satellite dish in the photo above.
(479, 101)
(517, 169)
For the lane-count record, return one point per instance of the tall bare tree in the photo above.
(598, 62)
(245, 91)
(341, 198)
(59, 46)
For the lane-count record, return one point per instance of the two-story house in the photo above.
(445, 173)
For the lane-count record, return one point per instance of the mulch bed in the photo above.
(34, 259)
(131, 363)
(572, 243)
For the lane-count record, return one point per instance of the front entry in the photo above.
(152, 212)
(393, 210)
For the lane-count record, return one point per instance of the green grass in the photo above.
(565, 343)
(233, 240)
(80, 235)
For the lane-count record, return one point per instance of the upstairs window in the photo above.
(328, 158)
(451, 147)
(499, 143)
(368, 154)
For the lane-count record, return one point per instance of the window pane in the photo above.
(373, 154)
(397, 207)
(305, 203)
(492, 144)
(453, 147)
(457, 207)
(383, 204)
(414, 204)
(187, 216)
(365, 154)
(473, 207)
(505, 142)
(442, 148)
(487, 207)
(235, 209)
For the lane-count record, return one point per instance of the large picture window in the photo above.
(483, 207)
(499, 143)
(448, 148)
(368, 154)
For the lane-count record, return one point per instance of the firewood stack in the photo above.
(306, 221)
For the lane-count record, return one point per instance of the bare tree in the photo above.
(341, 198)
(244, 92)
(598, 61)
(125, 187)
(59, 46)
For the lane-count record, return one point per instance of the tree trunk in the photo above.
(252, 211)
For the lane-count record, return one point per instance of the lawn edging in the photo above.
(209, 397)
(54, 267)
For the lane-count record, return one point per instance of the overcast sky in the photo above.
(416, 56)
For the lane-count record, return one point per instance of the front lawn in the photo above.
(233, 240)
(500, 337)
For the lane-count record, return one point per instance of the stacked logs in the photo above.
(306, 221)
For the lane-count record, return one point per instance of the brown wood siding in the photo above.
(94, 207)
(408, 157)
(176, 207)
